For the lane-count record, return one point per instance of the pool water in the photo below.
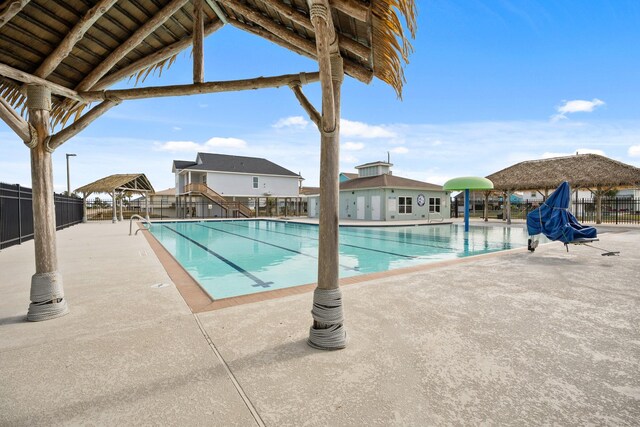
(232, 258)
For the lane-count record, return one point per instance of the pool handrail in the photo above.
(145, 222)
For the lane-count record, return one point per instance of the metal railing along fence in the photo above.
(99, 209)
(615, 210)
(16, 213)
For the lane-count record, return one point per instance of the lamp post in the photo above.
(68, 180)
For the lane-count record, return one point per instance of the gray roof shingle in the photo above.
(230, 163)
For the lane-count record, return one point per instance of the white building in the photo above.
(219, 185)
(377, 195)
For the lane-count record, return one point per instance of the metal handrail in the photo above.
(144, 222)
(436, 219)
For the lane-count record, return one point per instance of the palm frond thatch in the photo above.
(130, 182)
(581, 171)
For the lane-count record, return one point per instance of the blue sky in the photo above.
(490, 83)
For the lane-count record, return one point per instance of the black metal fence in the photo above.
(615, 210)
(16, 213)
(99, 209)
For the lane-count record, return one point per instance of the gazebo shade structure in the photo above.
(134, 182)
(594, 172)
(589, 171)
(467, 183)
(67, 53)
(113, 184)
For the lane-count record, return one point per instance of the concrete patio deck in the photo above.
(516, 339)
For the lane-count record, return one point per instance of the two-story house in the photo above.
(220, 185)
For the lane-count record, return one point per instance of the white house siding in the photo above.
(235, 184)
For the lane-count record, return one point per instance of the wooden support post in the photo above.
(198, 42)
(47, 294)
(508, 207)
(121, 218)
(327, 332)
(599, 205)
(10, 9)
(14, 121)
(114, 207)
(84, 207)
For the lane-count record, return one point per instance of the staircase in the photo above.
(233, 209)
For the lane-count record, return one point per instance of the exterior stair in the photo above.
(231, 207)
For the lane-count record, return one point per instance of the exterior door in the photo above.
(360, 208)
(312, 208)
(375, 208)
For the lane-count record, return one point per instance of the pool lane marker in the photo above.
(258, 282)
(275, 246)
(341, 244)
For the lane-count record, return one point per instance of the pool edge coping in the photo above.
(200, 301)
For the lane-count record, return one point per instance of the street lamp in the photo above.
(68, 180)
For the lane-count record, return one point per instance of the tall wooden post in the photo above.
(121, 201)
(327, 331)
(84, 207)
(509, 207)
(598, 195)
(47, 294)
(114, 207)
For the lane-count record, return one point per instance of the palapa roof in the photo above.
(387, 181)
(134, 182)
(90, 45)
(581, 171)
(234, 164)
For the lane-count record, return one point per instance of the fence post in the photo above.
(19, 215)
(616, 210)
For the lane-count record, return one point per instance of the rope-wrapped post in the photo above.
(327, 332)
(47, 295)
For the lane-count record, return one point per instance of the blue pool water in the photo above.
(232, 258)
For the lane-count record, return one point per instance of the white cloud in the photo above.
(348, 158)
(363, 130)
(213, 143)
(352, 146)
(216, 142)
(293, 121)
(400, 150)
(176, 128)
(178, 146)
(576, 106)
(634, 151)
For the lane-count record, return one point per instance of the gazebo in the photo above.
(593, 172)
(54, 71)
(114, 185)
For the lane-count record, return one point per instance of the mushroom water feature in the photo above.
(467, 183)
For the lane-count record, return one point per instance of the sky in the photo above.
(490, 83)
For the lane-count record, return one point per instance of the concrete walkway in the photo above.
(517, 339)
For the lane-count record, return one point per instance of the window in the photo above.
(255, 182)
(533, 194)
(434, 204)
(404, 205)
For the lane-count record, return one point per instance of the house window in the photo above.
(255, 182)
(434, 204)
(534, 194)
(404, 205)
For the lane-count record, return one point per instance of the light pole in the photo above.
(68, 180)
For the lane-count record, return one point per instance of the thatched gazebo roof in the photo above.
(136, 183)
(590, 171)
(79, 48)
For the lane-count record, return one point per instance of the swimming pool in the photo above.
(232, 258)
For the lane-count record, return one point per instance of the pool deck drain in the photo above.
(516, 339)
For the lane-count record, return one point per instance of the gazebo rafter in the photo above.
(55, 73)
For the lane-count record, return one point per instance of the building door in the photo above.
(375, 208)
(360, 208)
(312, 208)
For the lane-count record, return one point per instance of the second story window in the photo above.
(255, 182)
